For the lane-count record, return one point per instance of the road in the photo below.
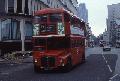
(99, 66)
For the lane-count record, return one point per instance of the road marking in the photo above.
(103, 57)
(114, 76)
(109, 68)
(107, 63)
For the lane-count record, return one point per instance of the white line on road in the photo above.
(109, 68)
(103, 57)
(107, 63)
(114, 76)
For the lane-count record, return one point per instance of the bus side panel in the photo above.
(77, 50)
(74, 55)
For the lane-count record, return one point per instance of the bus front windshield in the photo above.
(55, 18)
(48, 17)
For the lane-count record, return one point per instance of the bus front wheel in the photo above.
(68, 66)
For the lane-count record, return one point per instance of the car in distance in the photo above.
(106, 48)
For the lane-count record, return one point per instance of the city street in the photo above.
(60, 33)
(99, 66)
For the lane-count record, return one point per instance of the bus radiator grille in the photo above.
(48, 61)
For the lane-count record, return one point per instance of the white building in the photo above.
(16, 27)
(83, 12)
(88, 32)
(83, 15)
(16, 20)
(106, 37)
(113, 22)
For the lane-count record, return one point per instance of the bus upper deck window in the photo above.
(55, 17)
(43, 18)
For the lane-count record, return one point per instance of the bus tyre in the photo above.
(83, 58)
(68, 66)
(36, 69)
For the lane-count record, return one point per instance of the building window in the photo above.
(10, 6)
(19, 6)
(15, 29)
(2, 6)
(51, 3)
(28, 30)
(10, 29)
(26, 7)
(5, 29)
(48, 1)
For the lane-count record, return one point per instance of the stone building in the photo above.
(16, 28)
(83, 12)
(113, 22)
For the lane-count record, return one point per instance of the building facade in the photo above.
(113, 23)
(88, 39)
(16, 28)
(83, 15)
(106, 37)
(83, 12)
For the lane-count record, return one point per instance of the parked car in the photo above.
(106, 48)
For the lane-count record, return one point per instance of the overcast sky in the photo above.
(97, 14)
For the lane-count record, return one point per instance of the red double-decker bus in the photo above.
(58, 41)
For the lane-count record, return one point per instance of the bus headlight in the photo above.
(61, 60)
(63, 64)
(35, 60)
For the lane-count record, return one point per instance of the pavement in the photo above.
(9, 67)
(24, 60)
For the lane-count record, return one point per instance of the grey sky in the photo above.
(97, 14)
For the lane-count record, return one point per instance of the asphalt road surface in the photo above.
(99, 66)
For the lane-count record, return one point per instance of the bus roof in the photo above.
(51, 10)
(56, 10)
